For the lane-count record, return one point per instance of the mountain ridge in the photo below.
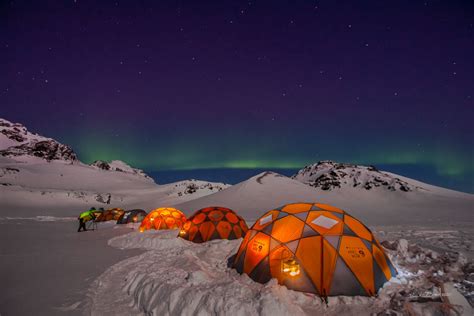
(330, 175)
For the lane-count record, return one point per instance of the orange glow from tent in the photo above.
(135, 219)
(182, 232)
(142, 229)
(290, 267)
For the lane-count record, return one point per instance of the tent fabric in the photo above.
(213, 223)
(132, 216)
(97, 213)
(163, 218)
(110, 214)
(314, 248)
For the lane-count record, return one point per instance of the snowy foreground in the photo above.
(47, 268)
(177, 277)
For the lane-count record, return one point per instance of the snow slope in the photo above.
(253, 197)
(195, 279)
(333, 176)
(39, 176)
(422, 204)
(61, 189)
(118, 165)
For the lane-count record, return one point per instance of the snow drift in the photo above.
(177, 277)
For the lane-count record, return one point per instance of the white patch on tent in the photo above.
(266, 219)
(324, 222)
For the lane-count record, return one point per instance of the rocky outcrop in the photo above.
(16, 141)
(196, 186)
(330, 175)
(119, 166)
(48, 150)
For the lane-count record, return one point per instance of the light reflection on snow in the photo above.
(40, 218)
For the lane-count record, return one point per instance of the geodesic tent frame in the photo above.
(314, 248)
(213, 222)
(132, 216)
(163, 218)
(112, 214)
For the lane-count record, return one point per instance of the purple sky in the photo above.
(244, 84)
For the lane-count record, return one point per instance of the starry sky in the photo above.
(186, 85)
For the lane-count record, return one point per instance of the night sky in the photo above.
(179, 85)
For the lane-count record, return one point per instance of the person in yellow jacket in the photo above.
(84, 218)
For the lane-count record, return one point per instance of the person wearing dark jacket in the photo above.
(82, 224)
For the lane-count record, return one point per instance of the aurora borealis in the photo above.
(182, 85)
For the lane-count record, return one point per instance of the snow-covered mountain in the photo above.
(330, 175)
(17, 141)
(379, 206)
(256, 195)
(119, 166)
(40, 175)
(196, 187)
(22, 145)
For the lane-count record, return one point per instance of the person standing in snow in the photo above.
(84, 218)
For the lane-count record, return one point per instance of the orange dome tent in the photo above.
(163, 218)
(110, 214)
(213, 223)
(132, 216)
(314, 248)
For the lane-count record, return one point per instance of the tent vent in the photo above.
(324, 222)
(266, 219)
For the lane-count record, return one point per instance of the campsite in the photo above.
(237, 158)
(268, 245)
